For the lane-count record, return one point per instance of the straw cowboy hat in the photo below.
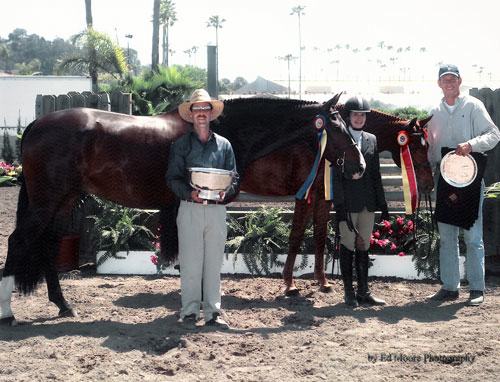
(200, 96)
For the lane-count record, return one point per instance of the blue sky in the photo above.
(257, 32)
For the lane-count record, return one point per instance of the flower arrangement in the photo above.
(394, 236)
(9, 174)
(155, 258)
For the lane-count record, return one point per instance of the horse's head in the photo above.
(340, 149)
(417, 134)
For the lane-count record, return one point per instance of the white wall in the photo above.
(18, 94)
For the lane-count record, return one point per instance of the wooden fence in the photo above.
(117, 101)
(491, 210)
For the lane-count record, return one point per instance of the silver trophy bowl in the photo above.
(210, 181)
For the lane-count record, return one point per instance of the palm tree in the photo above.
(298, 10)
(91, 48)
(107, 58)
(155, 56)
(216, 22)
(168, 16)
(288, 58)
(88, 12)
(194, 50)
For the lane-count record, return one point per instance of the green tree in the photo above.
(168, 16)
(225, 86)
(109, 57)
(7, 152)
(19, 136)
(239, 82)
(197, 76)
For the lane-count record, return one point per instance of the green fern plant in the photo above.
(259, 237)
(426, 254)
(119, 229)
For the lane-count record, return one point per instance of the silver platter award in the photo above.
(457, 170)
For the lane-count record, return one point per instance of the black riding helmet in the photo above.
(357, 104)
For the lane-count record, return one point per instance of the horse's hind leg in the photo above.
(56, 296)
(300, 218)
(321, 217)
(6, 288)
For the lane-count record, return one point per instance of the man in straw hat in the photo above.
(201, 223)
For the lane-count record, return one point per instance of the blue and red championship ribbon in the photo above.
(304, 190)
(410, 190)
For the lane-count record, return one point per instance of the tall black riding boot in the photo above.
(346, 269)
(364, 296)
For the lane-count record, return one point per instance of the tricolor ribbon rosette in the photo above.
(303, 192)
(410, 190)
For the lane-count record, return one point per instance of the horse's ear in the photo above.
(331, 103)
(425, 121)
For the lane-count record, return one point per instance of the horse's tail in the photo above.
(25, 260)
(169, 242)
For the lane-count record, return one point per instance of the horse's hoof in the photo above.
(70, 312)
(327, 288)
(8, 321)
(292, 292)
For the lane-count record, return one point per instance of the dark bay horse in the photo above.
(386, 128)
(124, 158)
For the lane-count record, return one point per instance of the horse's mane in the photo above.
(258, 126)
(375, 117)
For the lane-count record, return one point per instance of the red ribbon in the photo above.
(410, 190)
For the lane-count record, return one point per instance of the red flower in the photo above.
(410, 226)
(387, 224)
(400, 220)
(393, 247)
(154, 259)
(376, 234)
(401, 253)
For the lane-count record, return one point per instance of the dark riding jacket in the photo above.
(368, 191)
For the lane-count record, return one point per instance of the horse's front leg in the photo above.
(300, 217)
(6, 288)
(320, 220)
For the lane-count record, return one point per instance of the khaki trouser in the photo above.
(202, 232)
(363, 222)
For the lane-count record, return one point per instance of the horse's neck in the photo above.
(385, 128)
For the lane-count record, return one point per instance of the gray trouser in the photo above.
(202, 238)
(363, 222)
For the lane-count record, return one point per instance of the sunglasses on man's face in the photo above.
(201, 108)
